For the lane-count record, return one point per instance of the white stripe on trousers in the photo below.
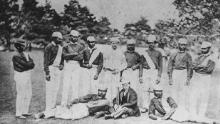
(70, 81)
(24, 91)
(52, 87)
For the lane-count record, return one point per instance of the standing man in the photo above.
(72, 58)
(203, 66)
(23, 64)
(153, 67)
(93, 64)
(180, 73)
(114, 63)
(52, 68)
(133, 70)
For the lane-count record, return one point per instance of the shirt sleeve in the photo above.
(208, 69)
(100, 63)
(47, 55)
(171, 66)
(189, 66)
(160, 64)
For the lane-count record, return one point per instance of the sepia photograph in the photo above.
(109, 61)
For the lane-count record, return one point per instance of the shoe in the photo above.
(99, 114)
(108, 117)
(124, 116)
(143, 110)
(38, 115)
(27, 114)
(21, 117)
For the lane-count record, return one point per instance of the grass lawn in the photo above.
(8, 95)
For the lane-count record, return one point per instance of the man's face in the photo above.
(205, 50)
(20, 48)
(131, 47)
(74, 39)
(158, 93)
(114, 45)
(182, 47)
(102, 93)
(91, 44)
(151, 45)
(125, 86)
(58, 40)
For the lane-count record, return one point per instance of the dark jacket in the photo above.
(131, 101)
(20, 63)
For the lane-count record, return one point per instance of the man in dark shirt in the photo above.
(152, 68)
(23, 64)
(133, 70)
(93, 65)
(180, 72)
(72, 58)
(52, 67)
(203, 66)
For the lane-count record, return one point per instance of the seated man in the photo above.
(125, 104)
(158, 109)
(79, 108)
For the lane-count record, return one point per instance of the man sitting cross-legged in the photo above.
(159, 107)
(125, 104)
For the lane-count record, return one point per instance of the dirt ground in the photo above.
(8, 95)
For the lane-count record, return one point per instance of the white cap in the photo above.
(124, 81)
(91, 39)
(206, 45)
(115, 40)
(57, 34)
(74, 33)
(158, 88)
(182, 41)
(131, 41)
(151, 38)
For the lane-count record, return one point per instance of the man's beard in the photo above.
(205, 52)
(131, 49)
(182, 49)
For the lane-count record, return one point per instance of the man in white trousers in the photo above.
(180, 74)
(114, 63)
(72, 58)
(52, 68)
(23, 64)
(93, 65)
(152, 69)
(203, 66)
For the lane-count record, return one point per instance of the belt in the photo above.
(107, 69)
(72, 61)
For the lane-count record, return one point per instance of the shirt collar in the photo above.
(53, 43)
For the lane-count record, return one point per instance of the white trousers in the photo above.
(200, 94)
(24, 91)
(180, 92)
(70, 81)
(149, 81)
(52, 87)
(110, 81)
(132, 76)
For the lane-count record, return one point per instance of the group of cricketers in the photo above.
(86, 68)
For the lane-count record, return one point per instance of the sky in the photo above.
(120, 12)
